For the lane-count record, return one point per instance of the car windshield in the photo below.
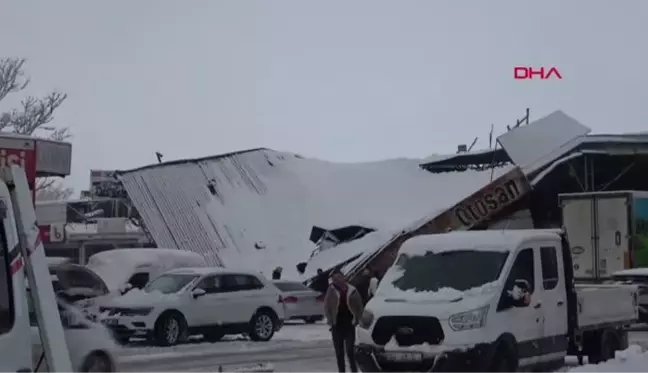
(170, 283)
(458, 269)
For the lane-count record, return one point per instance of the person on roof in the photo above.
(276, 274)
(343, 308)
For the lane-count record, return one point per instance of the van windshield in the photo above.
(169, 283)
(458, 269)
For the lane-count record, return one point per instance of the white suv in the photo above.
(189, 301)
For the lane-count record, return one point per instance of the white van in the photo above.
(496, 301)
(125, 269)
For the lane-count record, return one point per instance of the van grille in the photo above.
(408, 330)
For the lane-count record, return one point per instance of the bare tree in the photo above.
(32, 118)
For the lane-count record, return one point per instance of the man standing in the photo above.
(343, 308)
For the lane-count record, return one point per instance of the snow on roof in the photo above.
(221, 207)
(632, 272)
(116, 266)
(505, 239)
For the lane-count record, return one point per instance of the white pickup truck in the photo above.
(500, 301)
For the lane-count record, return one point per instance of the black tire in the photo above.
(503, 361)
(170, 328)
(97, 362)
(608, 345)
(262, 326)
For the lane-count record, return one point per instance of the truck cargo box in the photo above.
(608, 231)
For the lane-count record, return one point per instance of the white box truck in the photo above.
(608, 232)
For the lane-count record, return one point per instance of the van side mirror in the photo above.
(196, 293)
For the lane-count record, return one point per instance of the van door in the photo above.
(524, 319)
(554, 302)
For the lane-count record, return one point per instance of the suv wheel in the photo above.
(263, 326)
(169, 329)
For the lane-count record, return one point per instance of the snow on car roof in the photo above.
(632, 272)
(116, 266)
(491, 240)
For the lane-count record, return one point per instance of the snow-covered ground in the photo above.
(307, 348)
(633, 359)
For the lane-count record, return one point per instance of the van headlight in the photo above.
(468, 320)
(366, 320)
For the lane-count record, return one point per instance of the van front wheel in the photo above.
(503, 360)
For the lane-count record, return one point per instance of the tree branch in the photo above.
(12, 76)
(33, 115)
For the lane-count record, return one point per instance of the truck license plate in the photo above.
(403, 356)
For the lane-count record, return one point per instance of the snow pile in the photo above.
(228, 204)
(632, 359)
(116, 267)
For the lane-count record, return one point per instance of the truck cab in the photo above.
(487, 301)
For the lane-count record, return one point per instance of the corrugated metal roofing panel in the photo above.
(169, 203)
(265, 203)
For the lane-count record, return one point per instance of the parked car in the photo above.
(190, 301)
(639, 277)
(121, 270)
(91, 345)
(300, 302)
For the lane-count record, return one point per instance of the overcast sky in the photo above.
(337, 80)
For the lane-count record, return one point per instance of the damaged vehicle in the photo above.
(497, 300)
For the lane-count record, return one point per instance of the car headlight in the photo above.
(469, 320)
(366, 320)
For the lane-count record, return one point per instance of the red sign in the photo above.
(542, 73)
(25, 158)
(52, 233)
(44, 233)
